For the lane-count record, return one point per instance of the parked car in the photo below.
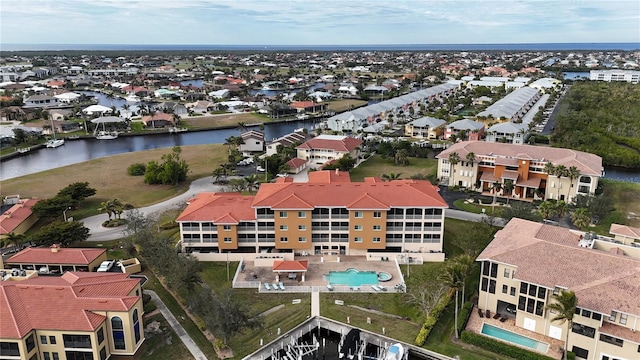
(260, 168)
(282, 175)
(105, 266)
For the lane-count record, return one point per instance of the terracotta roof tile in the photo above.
(332, 142)
(17, 214)
(290, 265)
(64, 256)
(623, 230)
(232, 207)
(550, 256)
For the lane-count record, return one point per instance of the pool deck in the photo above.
(475, 325)
(317, 269)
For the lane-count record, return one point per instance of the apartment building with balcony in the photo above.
(527, 263)
(327, 215)
(324, 148)
(631, 76)
(425, 128)
(523, 165)
(74, 316)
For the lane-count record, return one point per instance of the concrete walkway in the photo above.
(177, 327)
(315, 303)
(99, 233)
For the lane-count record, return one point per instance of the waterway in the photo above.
(77, 151)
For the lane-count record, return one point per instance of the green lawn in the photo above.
(476, 208)
(163, 344)
(376, 166)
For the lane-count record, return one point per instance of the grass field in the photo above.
(344, 105)
(109, 177)
(163, 343)
(626, 201)
(224, 120)
(376, 166)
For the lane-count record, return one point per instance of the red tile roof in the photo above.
(331, 142)
(550, 256)
(290, 265)
(16, 215)
(223, 208)
(624, 230)
(303, 104)
(384, 195)
(64, 256)
(62, 303)
(296, 163)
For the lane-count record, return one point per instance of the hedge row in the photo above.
(433, 317)
(463, 316)
(501, 348)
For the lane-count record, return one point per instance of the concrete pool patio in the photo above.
(249, 275)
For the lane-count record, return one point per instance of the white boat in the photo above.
(132, 98)
(54, 143)
(107, 135)
(395, 352)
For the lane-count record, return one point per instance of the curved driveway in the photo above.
(99, 233)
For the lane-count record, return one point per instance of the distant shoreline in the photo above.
(621, 46)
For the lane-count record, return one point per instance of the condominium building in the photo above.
(78, 315)
(527, 263)
(525, 166)
(631, 76)
(425, 128)
(325, 148)
(327, 215)
(512, 107)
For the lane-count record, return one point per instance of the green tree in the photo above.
(573, 174)
(564, 306)
(561, 208)
(54, 207)
(546, 209)
(78, 191)
(452, 277)
(522, 210)
(454, 159)
(402, 157)
(496, 187)
(580, 218)
(391, 176)
(64, 233)
(15, 240)
(107, 207)
(508, 187)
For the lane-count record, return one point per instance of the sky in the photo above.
(317, 22)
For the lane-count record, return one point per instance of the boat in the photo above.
(107, 135)
(395, 352)
(349, 346)
(53, 142)
(174, 130)
(23, 150)
(132, 98)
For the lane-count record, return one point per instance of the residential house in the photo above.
(628, 235)
(512, 107)
(158, 120)
(370, 218)
(73, 316)
(507, 133)
(523, 165)
(292, 139)
(425, 128)
(57, 260)
(202, 106)
(528, 263)
(464, 129)
(177, 108)
(18, 219)
(41, 101)
(296, 165)
(252, 141)
(323, 148)
(308, 107)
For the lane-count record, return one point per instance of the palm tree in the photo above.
(105, 206)
(391, 176)
(564, 307)
(546, 209)
(454, 159)
(14, 239)
(452, 277)
(251, 182)
(561, 208)
(402, 157)
(465, 261)
(580, 218)
(217, 174)
(572, 173)
(496, 187)
(117, 207)
(242, 126)
(560, 172)
(549, 169)
(508, 188)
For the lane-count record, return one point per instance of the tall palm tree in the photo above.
(580, 218)
(546, 209)
(508, 187)
(496, 187)
(454, 159)
(564, 307)
(391, 176)
(105, 206)
(242, 126)
(452, 277)
(560, 172)
(549, 169)
(117, 207)
(572, 173)
(402, 157)
(14, 239)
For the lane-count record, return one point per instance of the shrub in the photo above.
(463, 316)
(501, 348)
(432, 319)
(136, 169)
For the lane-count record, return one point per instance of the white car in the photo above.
(105, 266)
(260, 168)
(282, 175)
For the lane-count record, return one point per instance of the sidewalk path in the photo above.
(99, 233)
(177, 327)
(315, 303)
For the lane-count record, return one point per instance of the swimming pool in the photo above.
(508, 336)
(352, 277)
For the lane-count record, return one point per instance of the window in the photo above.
(43, 340)
(52, 340)
(31, 343)
(302, 214)
(485, 284)
(136, 325)
(226, 227)
(46, 355)
(376, 239)
(583, 330)
(302, 239)
(284, 239)
(532, 290)
(302, 227)
(283, 214)
(596, 316)
(79, 341)
(377, 227)
(539, 308)
(580, 352)
(358, 214)
(485, 268)
(377, 214)
(357, 227)
(523, 288)
(506, 273)
(494, 270)
(623, 319)
(542, 292)
(505, 288)
(103, 353)
(9, 348)
(586, 313)
(78, 355)
(613, 316)
(55, 356)
(492, 286)
(118, 333)
(522, 302)
(512, 291)
(100, 336)
(284, 227)
(228, 240)
(357, 239)
(611, 340)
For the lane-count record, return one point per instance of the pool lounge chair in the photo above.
(497, 315)
(329, 287)
(376, 288)
(267, 286)
(480, 313)
(355, 288)
(487, 313)
(281, 285)
(275, 286)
